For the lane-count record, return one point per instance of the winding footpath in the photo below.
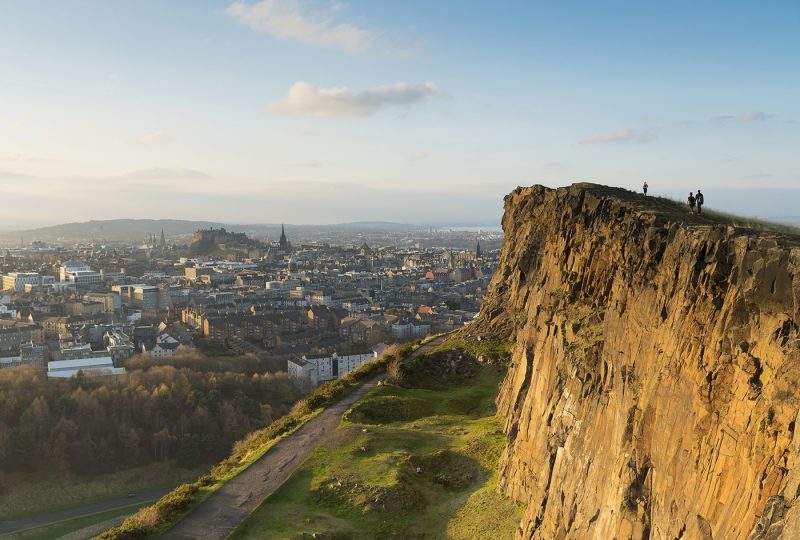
(218, 516)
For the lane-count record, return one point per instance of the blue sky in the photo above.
(429, 112)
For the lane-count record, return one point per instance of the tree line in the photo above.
(159, 413)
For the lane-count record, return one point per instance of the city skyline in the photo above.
(321, 112)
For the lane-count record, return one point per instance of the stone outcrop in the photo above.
(653, 390)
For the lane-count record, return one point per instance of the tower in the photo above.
(284, 243)
(478, 250)
(163, 241)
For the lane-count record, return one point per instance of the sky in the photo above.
(316, 111)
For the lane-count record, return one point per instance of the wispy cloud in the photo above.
(292, 19)
(155, 138)
(11, 175)
(306, 164)
(757, 176)
(305, 99)
(752, 117)
(418, 156)
(163, 173)
(619, 136)
(20, 158)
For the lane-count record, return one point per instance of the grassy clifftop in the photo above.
(411, 461)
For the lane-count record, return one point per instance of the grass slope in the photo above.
(34, 496)
(408, 463)
(86, 526)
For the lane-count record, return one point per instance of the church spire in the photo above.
(284, 243)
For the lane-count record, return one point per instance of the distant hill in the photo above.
(131, 230)
(112, 230)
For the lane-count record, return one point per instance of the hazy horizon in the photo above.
(767, 203)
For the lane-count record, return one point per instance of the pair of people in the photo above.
(696, 200)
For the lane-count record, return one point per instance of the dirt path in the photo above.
(225, 509)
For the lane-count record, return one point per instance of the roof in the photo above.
(88, 363)
(168, 346)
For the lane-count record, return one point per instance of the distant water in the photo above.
(485, 228)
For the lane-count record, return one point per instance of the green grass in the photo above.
(172, 507)
(678, 210)
(725, 218)
(33, 496)
(489, 349)
(97, 522)
(427, 471)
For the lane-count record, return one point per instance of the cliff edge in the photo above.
(653, 390)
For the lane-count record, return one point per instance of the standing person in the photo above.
(644, 188)
(700, 201)
(691, 200)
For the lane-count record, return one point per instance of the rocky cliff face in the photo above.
(653, 391)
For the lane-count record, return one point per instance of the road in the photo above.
(7, 527)
(218, 516)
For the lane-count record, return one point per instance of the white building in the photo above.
(90, 367)
(410, 329)
(74, 271)
(165, 347)
(314, 371)
(17, 280)
(138, 295)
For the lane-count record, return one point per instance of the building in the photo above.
(78, 352)
(193, 273)
(139, 295)
(33, 355)
(361, 331)
(166, 346)
(15, 333)
(119, 346)
(77, 272)
(313, 371)
(409, 329)
(16, 281)
(90, 367)
(110, 302)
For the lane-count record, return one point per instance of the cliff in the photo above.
(653, 390)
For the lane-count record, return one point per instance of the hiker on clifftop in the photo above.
(644, 188)
(691, 200)
(700, 201)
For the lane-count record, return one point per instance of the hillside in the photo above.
(654, 385)
(415, 458)
(114, 230)
(131, 230)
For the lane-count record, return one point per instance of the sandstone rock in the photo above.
(653, 391)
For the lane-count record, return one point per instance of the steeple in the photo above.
(163, 240)
(284, 243)
(478, 249)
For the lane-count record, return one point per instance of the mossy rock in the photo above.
(451, 470)
(346, 495)
(388, 409)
